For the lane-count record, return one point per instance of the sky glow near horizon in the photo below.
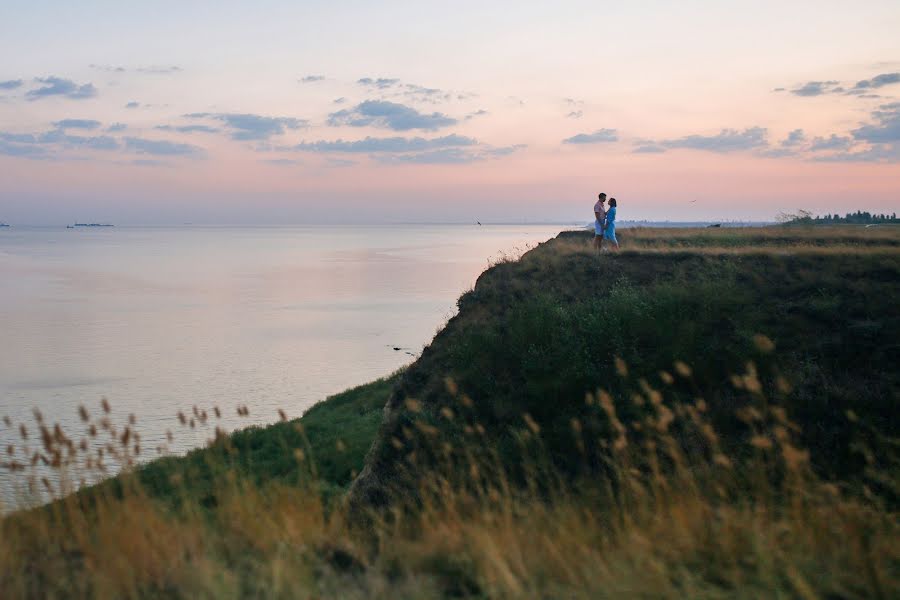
(287, 112)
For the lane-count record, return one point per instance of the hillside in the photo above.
(534, 336)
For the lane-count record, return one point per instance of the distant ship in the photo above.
(88, 225)
(4, 225)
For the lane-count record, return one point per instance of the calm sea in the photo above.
(159, 320)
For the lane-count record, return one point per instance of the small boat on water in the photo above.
(4, 224)
(89, 225)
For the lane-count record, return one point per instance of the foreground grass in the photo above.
(669, 520)
(325, 448)
(708, 414)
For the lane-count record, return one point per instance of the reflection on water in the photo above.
(158, 320)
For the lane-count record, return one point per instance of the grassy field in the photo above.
(709, 413)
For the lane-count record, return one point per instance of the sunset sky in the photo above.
(304, 112)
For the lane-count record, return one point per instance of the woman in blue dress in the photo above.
(609, 229)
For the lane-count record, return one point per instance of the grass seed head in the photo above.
(761, 442)
(783, 385)
(763, 343)
(451, 386)
(682, 369)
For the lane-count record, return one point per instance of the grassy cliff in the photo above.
(709, 413)
(535, 335)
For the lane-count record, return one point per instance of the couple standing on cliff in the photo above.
(605, 222)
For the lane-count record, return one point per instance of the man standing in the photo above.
(599, 218)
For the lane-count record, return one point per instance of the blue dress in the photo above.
(610, 232)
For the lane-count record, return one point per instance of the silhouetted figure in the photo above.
(599, 218)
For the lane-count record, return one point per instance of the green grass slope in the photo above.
(534, 336)
(325, 447)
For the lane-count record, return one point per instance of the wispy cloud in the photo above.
(727, 140)
(159, 69)
(57, 86)
(881, 153)
(648, 149)
(862, 88)
(108, 68)
(876, 141)
(447, 150)
(146, 70)
(420, 93)
(877, 81)
(391, 87)
(389, 115)
(372, 145)
(835, 142)
(9, 146)
(77, 124)
(886, 129)
(100, 142)
(161, 147)
(115, 127)
(249, 127)
(815, 88)
(11, 84)
(52, 142)
(188, 128)
(794, 138)
(380, 83)
(312, 78)
(449, 156)
(601, 136)
(133, 104)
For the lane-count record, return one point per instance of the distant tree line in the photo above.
(860, 217)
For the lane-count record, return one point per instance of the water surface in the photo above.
(159, 320)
